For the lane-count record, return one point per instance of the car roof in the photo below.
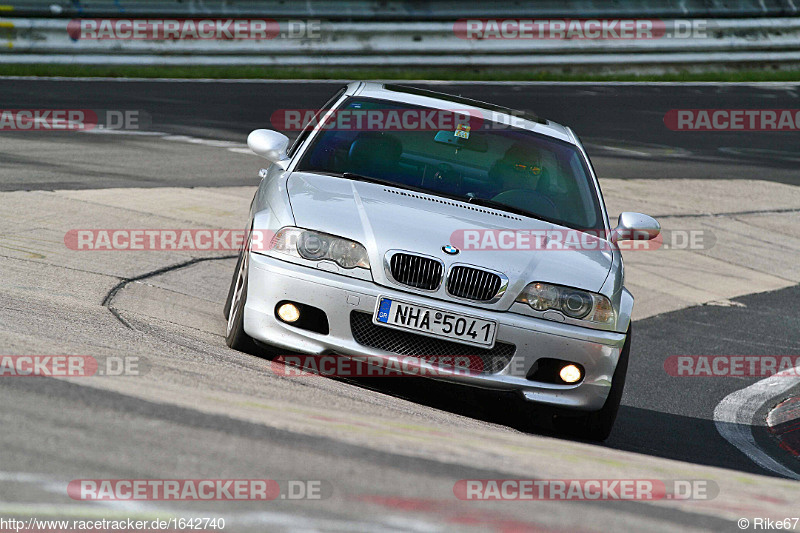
(436, 100)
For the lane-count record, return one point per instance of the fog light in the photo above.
(289, 313)
(570, 374)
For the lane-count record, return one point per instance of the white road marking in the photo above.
(231, 146)
(783, 155)
(623, 150)
(108, 131)
(734, 415)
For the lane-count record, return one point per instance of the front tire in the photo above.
(229, 299)
(597, 425)
(235, 336)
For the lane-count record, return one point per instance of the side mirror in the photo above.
(269, 144)
(635, 227)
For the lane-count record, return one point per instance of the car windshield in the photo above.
(458, 155)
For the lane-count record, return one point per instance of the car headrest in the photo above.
(545, 183)
(519, 151)
(502, 174)
(375, 148)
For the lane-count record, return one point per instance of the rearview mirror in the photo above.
(635, 227)
(270, 145)
(476, 142)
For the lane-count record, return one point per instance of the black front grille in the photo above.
(367, 333)
(473, 284)
(416, 271)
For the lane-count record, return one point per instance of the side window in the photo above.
(309, 127)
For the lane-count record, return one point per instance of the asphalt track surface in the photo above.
(58, 430)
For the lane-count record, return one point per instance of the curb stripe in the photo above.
(734, 417)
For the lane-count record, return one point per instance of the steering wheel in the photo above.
(529, 200)
(445, 179)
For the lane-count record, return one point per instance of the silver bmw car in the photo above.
(405, 222)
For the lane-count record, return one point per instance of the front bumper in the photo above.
(271, 281)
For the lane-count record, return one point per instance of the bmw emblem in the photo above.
(449, 249)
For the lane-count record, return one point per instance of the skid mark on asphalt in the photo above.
(108, 301)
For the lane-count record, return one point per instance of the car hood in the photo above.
(386, 218)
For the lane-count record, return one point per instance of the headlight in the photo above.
(312, 245)
(316, 246)
(573, 303)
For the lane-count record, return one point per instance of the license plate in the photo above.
(435, 322)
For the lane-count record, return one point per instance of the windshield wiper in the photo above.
(511, 209)
(388, 183)
(368, 179)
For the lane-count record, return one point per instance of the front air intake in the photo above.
(473, 283)
(416, 271)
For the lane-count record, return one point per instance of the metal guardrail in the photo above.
(725, 41)
(421, 10)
